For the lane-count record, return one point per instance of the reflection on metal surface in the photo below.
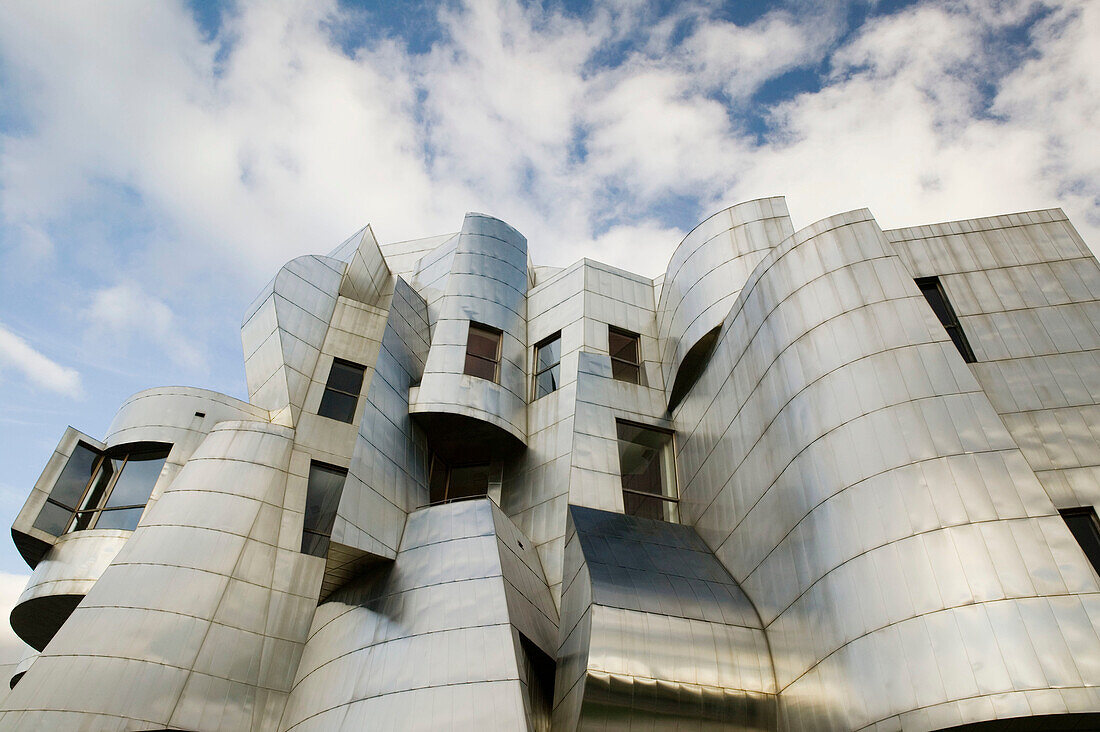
(871, 527)
(663, 637)
(437, 638)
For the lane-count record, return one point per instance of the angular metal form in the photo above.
(870, 524)
(654, 632)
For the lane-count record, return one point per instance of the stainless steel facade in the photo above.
(869, 531)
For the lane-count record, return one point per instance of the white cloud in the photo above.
(11, 647)
(284, 143)
(123, 312)
(43, 372)
(901, 128)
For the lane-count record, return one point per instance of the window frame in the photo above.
(488, 330)
(544, 343)
(952, 324)
(671, 501)
(636, 365)
(83, 507)
(330, 388)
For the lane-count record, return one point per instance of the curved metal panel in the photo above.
(707, 270)
(426, 643)
(846, 467)
(488, 285)
(385, 483)
(367, 277)
(284, 331)
(201, 616)
(663, 636)
(60, 580)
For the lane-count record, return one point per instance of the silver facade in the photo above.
(870, 533)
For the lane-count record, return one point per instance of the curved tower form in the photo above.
(834, 479)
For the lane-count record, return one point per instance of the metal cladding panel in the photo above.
(1027, 293)
(654, 631)
(706, 272)
(848, 470)
(535, 491)
(367, 278)
(220, 655)
(67, 571)
(284, 331)
(873, 542)
(488, 285)
(388, 473)
(426, 642)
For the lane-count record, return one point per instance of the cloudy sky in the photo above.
(160, 160)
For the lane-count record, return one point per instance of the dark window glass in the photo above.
(1083, 524)
(482, 352)
(125, 518)
(326, 483)
(647, 471)
(468, 481)
(625, 362)
(538, 673)
(548, 365)
(345, 381)
(112, 497)
(53, 519)
(74, 478)
(692, 367)
(457, 482)
(136, 482)
(437, 482)
(934, 293)
(82, 469)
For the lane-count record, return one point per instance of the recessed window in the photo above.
(345, 381)
(326, 483)
(1083, 524)
(692, 367)
(625, 357)
(648, 472)
(457, 482)
(102, 490)
(483, 352)
(934, 293)
(548, 365)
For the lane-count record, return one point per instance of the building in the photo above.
(834, 479)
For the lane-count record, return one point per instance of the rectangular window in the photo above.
(548, 365)
(326, 483)
(458, 482)
(98, 491)
(483, 352)
(934, 293)
(345, 381)
(648, 472)
(1085, 527)
(625, 357)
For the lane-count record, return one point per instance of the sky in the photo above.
(160, 161)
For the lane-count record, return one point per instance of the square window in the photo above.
(648, 472)
(625, 355)
(548, 365)
(345, 381)
(483, 352)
